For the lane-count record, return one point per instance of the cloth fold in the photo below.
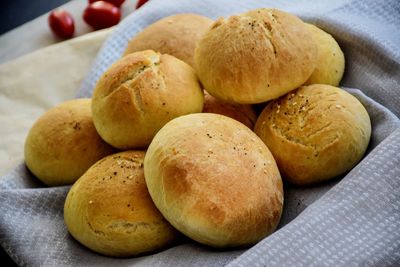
(36, 82)
(351, 221)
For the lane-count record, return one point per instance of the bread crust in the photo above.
(242, 113)
(331, 61)
(315, 133)
(176, 35)
(109, 209)
(214, 180)
(256, 56)
(141, 92)
(63, 143)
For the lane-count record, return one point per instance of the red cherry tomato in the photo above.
(141, 3)
(61, 23)
(101, 15)
(116, 3)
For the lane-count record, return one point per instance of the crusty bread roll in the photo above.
(243, 113)
(315, 133)
(109, 209)
(141, 92)
(214, 180)
(330, 64)
(256, 56)
(176, 35)
(63, 143)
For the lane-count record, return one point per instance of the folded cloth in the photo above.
(352, 221)
(33, 83)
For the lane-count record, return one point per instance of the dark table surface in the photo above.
(16, 12)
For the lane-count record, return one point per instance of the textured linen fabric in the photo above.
(351, 221)
(354, 224)
(36, 82)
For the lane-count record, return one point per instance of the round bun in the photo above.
(141, 92)
(330, 66)
(256, 56)
(315, 133)
(243, 113)
(63, 143)
(175, 35)
(109, 209)
(214, 180)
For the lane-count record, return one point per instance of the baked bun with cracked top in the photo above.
(315, 133)
(256, 56)
(63, 143)
(141, 92)
(109, 209)
(176, 35)
(243, 113)
(331, 62)
(214, 180)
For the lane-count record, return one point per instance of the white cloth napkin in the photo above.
(36, 82)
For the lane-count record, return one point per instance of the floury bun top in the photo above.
(256, 56)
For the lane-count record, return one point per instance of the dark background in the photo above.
(14, 13)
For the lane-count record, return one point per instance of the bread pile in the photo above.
(166, 144)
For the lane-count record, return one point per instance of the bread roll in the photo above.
(63, 143)
(109, 209)
(330, 63)
(214, 180)
(243, 113)
(315, 133)
(175, 35)
(256, 56)
(141, 92)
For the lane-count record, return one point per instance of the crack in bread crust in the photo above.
(298, 111)
(150, 62)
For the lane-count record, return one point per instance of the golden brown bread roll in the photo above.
(214, 180)
(330, 64)
(141, 92)
(109, 209)
(256, 56)
(176, 35)
(243, 113)
(315, 133)
(63, 143)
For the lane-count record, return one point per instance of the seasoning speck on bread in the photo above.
(109, 209)
(214, 180)
(315, 133)
(141, 92)
(256, 56)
